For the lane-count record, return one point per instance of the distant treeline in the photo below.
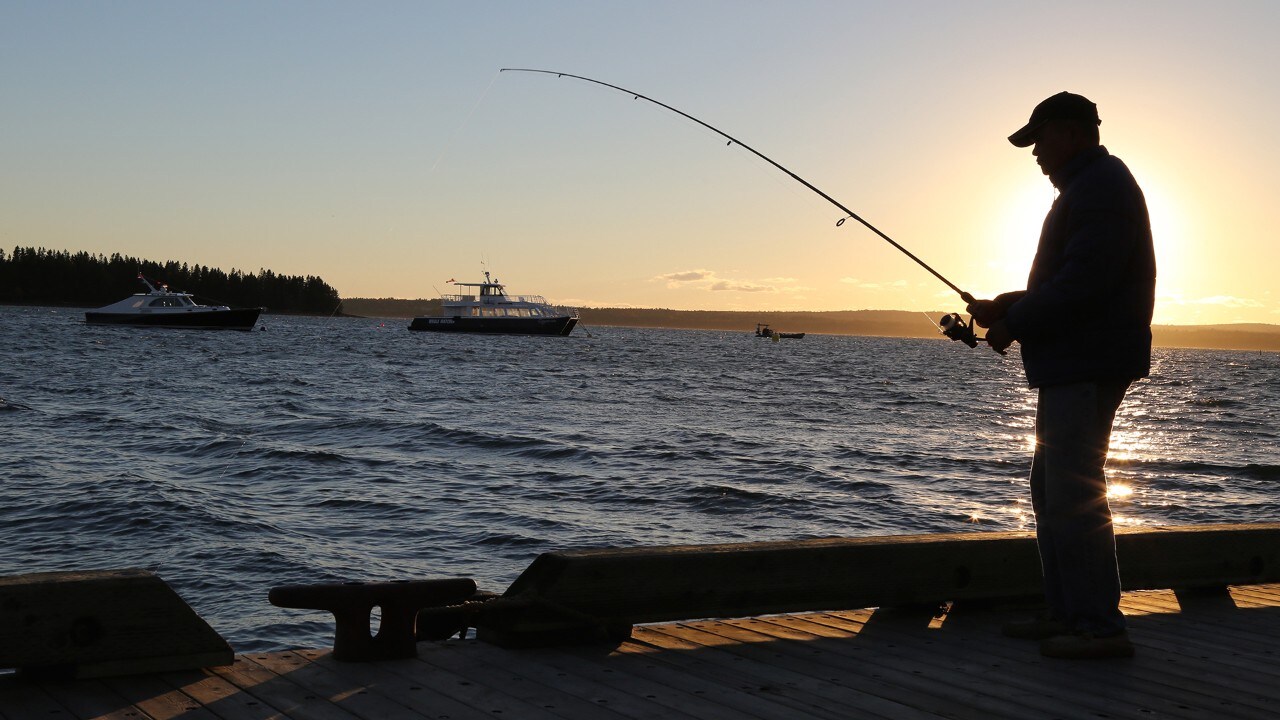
(35, 276)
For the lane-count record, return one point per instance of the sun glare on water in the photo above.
(1117, 490)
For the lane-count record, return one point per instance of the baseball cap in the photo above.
(1063, 106)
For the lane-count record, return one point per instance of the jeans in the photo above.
(1069, 496)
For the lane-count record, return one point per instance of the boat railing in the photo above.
(535, 299)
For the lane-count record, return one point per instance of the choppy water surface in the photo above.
(338, 449)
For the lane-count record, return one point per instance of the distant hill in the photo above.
(882, 323)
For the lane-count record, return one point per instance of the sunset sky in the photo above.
(377, 146)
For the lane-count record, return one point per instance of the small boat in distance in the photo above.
(161, 307)
(492, 310)
(764, 332)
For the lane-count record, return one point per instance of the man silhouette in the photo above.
(1084, 328)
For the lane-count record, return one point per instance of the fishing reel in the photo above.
(955, 327)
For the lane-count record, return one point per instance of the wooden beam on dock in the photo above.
(102, 622)
(597, 595)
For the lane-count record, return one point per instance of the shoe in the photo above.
(1037, 628)
(1084, 646)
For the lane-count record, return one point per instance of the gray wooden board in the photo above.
(353, 696)
(569, 689)
(416, 692)
(484, 693)
(92, 699)
(631, 673)
(157, 698)
(957, 668)
(731, 696)
(857, 691)
(226, 700)
(20, 700)
(689, 651)
(1164, 672)
(1217, 631)
(912, 672)
(289, 698)
(1115, 690)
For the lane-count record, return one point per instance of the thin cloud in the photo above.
(732, 285)
(865, 285)
(708, 280)
(686, 276)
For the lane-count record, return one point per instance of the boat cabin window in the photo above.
(166, 302)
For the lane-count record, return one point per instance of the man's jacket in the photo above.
(1086, 312)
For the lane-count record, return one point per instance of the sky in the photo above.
(378, 146)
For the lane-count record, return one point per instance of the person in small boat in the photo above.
(1095, 262)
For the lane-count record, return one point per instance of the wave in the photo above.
(1180, 469)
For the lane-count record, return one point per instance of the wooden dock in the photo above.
(1210, 655)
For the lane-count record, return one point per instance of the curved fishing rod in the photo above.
(732, 140)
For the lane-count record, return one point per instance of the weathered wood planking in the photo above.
(597, 594)
(1199, 656)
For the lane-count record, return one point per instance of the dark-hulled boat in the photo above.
(765, 332)
(491, 310)
(161, 307)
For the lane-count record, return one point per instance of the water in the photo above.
(339, 449)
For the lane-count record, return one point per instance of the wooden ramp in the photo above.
(1205, 656)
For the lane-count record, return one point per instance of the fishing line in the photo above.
(849, 214)
(448, 143)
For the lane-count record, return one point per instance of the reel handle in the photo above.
(955, 327)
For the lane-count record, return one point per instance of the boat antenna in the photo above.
(733, 140)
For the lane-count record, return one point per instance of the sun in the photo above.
(1015, 235)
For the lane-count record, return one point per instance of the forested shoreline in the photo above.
(37, 276)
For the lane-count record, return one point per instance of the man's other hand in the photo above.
(998, 336)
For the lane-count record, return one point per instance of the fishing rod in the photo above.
(953, 326)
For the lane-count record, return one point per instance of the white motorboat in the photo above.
(489, 309)
(162, 307)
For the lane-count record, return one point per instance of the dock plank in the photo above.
(571, 689)
(421, 697)
(802, 695)
(1118, 688)
(728, 692)
(825, 687)
(289, 699)
(915, 672)
(158, 699)
(469, 687)
(21, 701)
(92, 700)
(953, 665)
(215, 692)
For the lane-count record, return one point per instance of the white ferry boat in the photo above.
(161, 307)
(489, 309)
